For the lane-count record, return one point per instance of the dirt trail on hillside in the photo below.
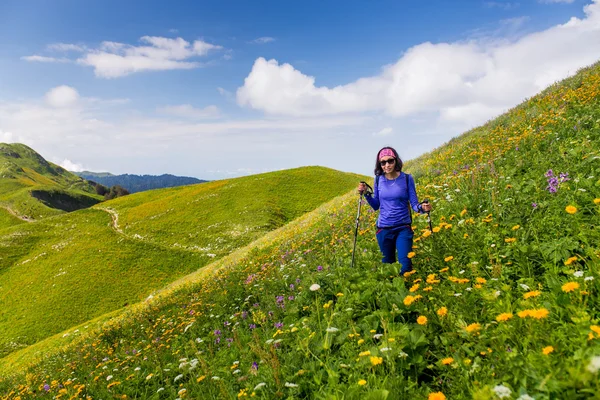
(15, 214)
(115, 226)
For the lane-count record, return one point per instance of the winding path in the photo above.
(15, 214)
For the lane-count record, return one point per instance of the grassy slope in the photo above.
(23, 170)
(63, 271)
(484, 192)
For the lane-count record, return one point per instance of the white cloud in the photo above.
(113, 59)
(384, 132)
(189, 111)
(62, 96)
(6, 137)
(469, 81)
(65, 47)
(44, 59)
(71, 166)
(263, 40)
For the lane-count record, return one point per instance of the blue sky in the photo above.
(285, 83)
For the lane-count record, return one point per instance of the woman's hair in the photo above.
(397, 166)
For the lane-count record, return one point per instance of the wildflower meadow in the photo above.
(502, 304)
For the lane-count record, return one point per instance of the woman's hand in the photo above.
(362, 188)
(426, 207)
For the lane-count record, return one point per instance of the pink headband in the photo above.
(386, 153)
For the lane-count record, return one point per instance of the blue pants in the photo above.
(396, 239)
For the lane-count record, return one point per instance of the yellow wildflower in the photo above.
(596, 201)
(448, 360)
(547, 350)
(436, 229)
(533, 293)
(376, 360)
(442, 311)
(510, 240)
(571, 209)
(422, 320)
(570, 286)
(481, 280)
(364, 353)
(361, 341)
(411, 254)
(449, 258)
(463, 212)
(473, 327)
(504, 317)
(514, 228)
(362, 382)
(436, 396)
(414, 288)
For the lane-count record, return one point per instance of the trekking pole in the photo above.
(369, 190)
(428, 216)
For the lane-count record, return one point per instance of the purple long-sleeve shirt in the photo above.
(392, 198)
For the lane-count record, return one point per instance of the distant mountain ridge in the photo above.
(138, 183)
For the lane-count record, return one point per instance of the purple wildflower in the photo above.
(549, 173)
(534, 205)
(46, 387)
(291, 286)
(320, 268)
(255, 366)
(290, 298)
(244, 314)
(278, 325)
(217, 332)
(252, 326)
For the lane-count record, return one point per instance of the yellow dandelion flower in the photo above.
(430, 288)
(422, 320)
(539, 313)
(376, 360)
(467, 361)
(514, 228)
(510, 240)
(481, 280)
(444, 269)
(448, 360)
(504, 317)
(442, 311)
(463, 212)
(570, 286)
(427, 233)
(570, 260)
(362, 382)
(533, 293)
(411, 254)
(409, 273)
(596, 201)
(524, 313)
(449, 258)
(473, 328)
(361, 341)
(436, 229)
(596, 329)
(547, 350)
(340, 295)
(391, 340)
(436, 396)
(364, 353)
(466, 235)
(414, 288)
(571, 209)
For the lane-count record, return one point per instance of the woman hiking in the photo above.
(394, 195)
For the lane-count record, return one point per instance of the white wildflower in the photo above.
(578, 274)
(137, 368)
(457, 294)
(260, 385)
(402, 354)
(215, 378)
(497, 293)
(594, 365)
(178, 377)
(314, 287)
(377, 335)
(108, 378)
(290, 385)
(502, 391)
(524, 286)
(237, 371)
(588, 278)
(525, 397)
(160, 390)
(385, 349)
(332, 329)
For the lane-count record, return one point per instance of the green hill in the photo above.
(32, 188)
(503, 304)
(63, 271)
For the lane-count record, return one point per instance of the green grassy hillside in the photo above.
(63, 271)
(503, 304)
(32, 188)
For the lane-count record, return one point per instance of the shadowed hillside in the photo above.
(32, 188)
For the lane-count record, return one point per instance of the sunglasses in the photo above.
(390, 161)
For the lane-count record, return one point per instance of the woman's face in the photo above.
(387, 164)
